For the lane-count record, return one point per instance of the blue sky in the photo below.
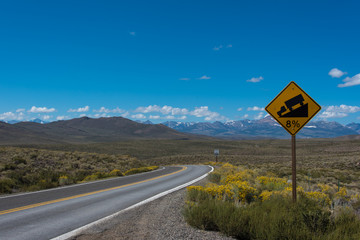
(176, 60)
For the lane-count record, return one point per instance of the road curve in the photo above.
(51, 213)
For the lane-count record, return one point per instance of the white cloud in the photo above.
(255, 80)
(339, 111)
(336, 73)
(61, 117)
(106, 110)
(184, 79)
(204, 77)
(239, 109)
(154, 117)
(99, 115)
(132, 33)
(11, 116)
(259, 116)
(204, 111)
(164, 110)
(217, 48)
(171, 111)
(125, 114)
(41, 110)
(169, 117)
(46, 117)
(138, 116)
(327, 114)
(83, 115)
(20, 110)
(350, 81)
(81, 109)
(255, 108)
(246, 116)
(150, 108)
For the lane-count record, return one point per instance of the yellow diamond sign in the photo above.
(293, 108)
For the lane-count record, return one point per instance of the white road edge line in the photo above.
(83, 228)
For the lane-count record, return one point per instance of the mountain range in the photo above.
(88, 130)
(264, 128)
(85, 130)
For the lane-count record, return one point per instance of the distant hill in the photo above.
(85, 130)
(264, 128)
(354, 126)
(89, 130)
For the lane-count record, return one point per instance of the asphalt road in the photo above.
(51, 213)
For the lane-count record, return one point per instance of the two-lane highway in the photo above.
(52, 213)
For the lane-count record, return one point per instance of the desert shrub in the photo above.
(140, 170)
(203, 215)
(214, 177)
(246, 206)
(36, 169)
(46, 183)
(6, 185)
(95, 176)
(116, 172)
(346, 225)
(64, 180)
(197, 194)
(277, 218)
(17, 160)
(10, 166)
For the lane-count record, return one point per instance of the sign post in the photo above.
(216, 153)
(293, 108)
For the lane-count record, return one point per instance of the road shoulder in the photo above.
(160, 219)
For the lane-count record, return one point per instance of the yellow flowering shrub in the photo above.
(239, 176)
(265, 195)
(320, 197)
(115, 172)
(243, 191)
(324, 188)
(355, 197)
(341, 194)
(227, 169)
(272, 183)
(242, 185)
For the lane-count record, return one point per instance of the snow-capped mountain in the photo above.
(264, 128)
(354, 126)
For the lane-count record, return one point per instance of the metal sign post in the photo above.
(216, 153)
(293, 151)
(293, 108)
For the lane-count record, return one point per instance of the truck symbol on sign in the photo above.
(299, 99)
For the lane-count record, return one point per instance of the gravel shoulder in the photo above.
(160, 219)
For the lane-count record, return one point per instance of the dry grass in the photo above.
(318, 160)
(28, 169)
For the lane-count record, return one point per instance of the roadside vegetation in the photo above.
(329, 161)
(256, 204)
(29, 169)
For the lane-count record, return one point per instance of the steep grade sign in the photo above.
(293, 108)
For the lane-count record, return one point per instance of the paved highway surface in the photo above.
(50, 213)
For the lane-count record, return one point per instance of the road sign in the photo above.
(293, 108)
(216, 153)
